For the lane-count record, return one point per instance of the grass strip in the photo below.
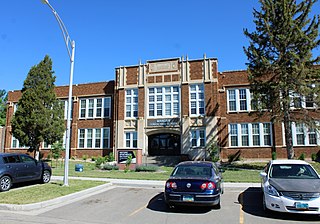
(42, 192)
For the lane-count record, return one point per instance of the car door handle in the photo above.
(8, 166)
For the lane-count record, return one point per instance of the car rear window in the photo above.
(184, 171)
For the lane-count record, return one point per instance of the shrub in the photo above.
(99, 161)
(314, 157)
(274, 155)
(147, 168)
(109, 167)
(302, 156)
(128, 163)
(110, 157)
(85, 157)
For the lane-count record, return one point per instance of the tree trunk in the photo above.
(288, 135)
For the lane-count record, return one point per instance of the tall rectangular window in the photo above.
(132, 103)
(163, 101)
(232, 100)
(131, 139)
(196, 99)
(234, 134)
(198, 137)
(255, 135)
(300, 134)
(244, 135)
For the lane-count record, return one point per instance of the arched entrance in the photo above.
(164, 144)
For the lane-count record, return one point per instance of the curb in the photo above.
(69, 198)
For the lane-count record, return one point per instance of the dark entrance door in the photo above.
(165, 144)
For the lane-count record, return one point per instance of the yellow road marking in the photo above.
(241, 215)
(138, 210)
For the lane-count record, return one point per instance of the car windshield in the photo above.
(293, 171)
(185, 171)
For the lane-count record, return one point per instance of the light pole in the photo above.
(70, 44)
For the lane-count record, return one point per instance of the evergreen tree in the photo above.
(39, 116)
(3, 107)
(281, 65)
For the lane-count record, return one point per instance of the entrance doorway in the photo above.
(165, 144)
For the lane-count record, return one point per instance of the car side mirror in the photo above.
(263, 174)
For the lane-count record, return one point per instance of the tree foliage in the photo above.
(39, 116)
(280, 61)
(3, 106)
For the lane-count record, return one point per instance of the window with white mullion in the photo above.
(94, 138)
(131, 103)
(196, 98)
(163, 101)
(131, 139)
(250, 134)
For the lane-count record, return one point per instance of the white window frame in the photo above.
(105, 108)
(159, 105)
(195, 134)
(131, 137)
(261, 133)
(196, 103)
(306, 131)
(238, 99)
(132, 96)
(104, 136)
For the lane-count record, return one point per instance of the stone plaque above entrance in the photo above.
(163, 66)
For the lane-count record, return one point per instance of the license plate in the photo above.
(301, 205)
(187, 198)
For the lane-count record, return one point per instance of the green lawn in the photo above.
(42, 192)
(237, 172)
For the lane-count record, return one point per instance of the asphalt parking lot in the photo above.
(145, 204)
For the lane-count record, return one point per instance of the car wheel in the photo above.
(5, 183)
(46, 176)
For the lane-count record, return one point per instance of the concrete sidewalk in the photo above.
(110, 184)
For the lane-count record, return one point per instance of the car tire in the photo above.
(46, 176)
(264, 206)
(5, 183)
(217, 206)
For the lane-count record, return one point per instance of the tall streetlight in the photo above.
(70, 44)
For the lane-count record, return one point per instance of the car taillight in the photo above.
(172, 185)
(208, 186)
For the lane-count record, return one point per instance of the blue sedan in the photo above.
(194, 183)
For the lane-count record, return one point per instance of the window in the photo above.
(304, 135)
(299, 101)
(64, 104)
(244, 135)
(250, 134)
(239, 100)
(196, 99)
(234, 134)
(198, 137)
(131, 103)
(91, 138)
(95, 108)
(163, 101)
(131, 139)
(15, 143)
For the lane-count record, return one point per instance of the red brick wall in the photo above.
(196, 70)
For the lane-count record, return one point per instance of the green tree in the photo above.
(3, 106)
(280, 61)
(39, 116)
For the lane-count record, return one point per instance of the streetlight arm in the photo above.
(69, 43)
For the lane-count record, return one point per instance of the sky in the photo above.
(109, 34)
